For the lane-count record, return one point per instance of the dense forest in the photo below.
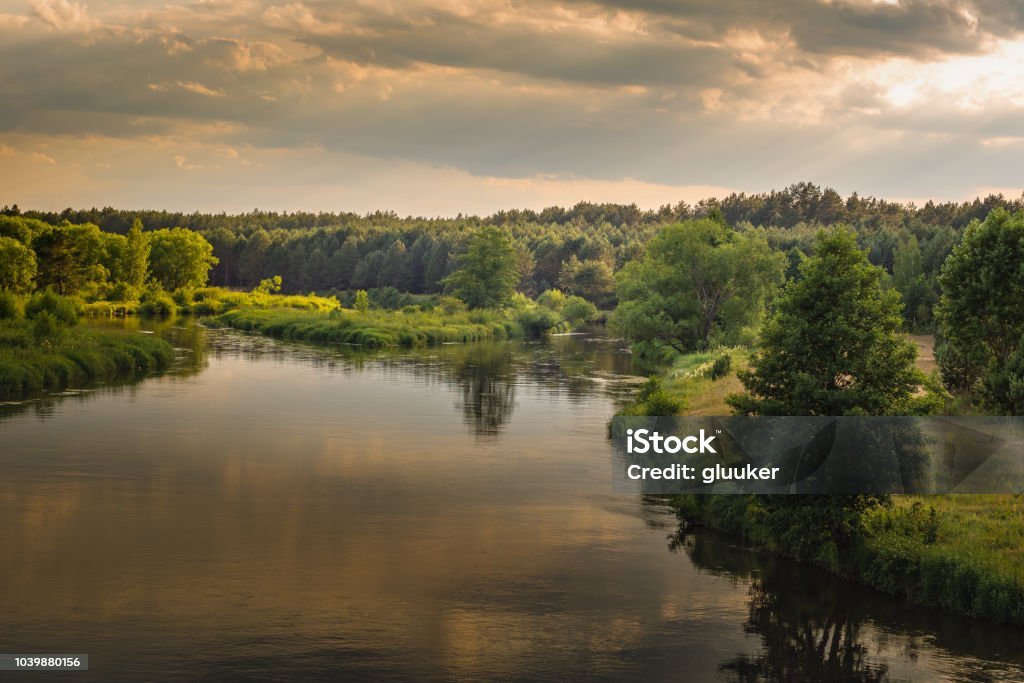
(576, 250)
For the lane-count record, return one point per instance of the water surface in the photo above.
(271, 511)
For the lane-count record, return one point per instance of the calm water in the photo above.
(273, 512)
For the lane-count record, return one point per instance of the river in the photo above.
(269, 511)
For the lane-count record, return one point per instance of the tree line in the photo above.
(576, 250)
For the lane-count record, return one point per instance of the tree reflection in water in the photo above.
(817, 627)
(486, 375)
(809, 624)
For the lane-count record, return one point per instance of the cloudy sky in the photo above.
(446, 106)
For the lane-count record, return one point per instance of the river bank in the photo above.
(35, 360)
(963, 554)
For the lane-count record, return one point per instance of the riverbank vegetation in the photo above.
(43, 349)
(832, 344)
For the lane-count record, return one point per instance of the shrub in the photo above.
(208, 306)
(98, 309)
(720, 368)
(451, 305)
(652, 399)
(552, 298)
(122, 291)
(46, 329)
(362, 301)
(157, 304)
(182, 298)
(10, 306)
(63, 309)
(537, 320)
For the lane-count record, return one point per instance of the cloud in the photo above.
(636, 93)
(200, 89)
(63, 15)
(181, 162)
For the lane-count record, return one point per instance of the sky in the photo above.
(469, 106)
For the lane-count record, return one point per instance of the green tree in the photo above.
(487, 272)
(136, 257)
(268, 286)
(908, 276)
(592, 279)
(69, 257)
(578, 310)
(980, 315)
(832, 345)
(362, 303)
(17, 266)
(180, 258)
(698, 281)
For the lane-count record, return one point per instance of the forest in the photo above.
(576, 250)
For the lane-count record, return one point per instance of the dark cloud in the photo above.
(912, 28)
(737, 93)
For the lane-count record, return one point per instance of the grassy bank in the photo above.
(372, 328)
(205, 301)
(34, 360)
(961, 553)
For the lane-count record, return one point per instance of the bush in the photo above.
(652, 399)
(10, 306)
(122, 291)
(208, 306)
(720, 368)
(552, 298)
(46, 329)
(182, 298)
(157, 304)
(537, 320)
(451, 305)
(98, 309)
(63, 309)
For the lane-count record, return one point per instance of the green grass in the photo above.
(206, 301)
(962, 553)
(75, 357)
(372, 328)
(688, 382)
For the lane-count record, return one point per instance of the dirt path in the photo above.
(925, 352)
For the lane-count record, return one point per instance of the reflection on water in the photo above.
(270, 511)
(813, 626)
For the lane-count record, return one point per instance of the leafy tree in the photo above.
(17, 266)
(487, 274)
(909, 277)
(832, 345)
(698, 281)
(20, 228)
(180, 258)
(136, 257)
(592, 279)
(362, 303)
(980, 316)
(69, 257)
(268, 286)
(578, 310)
